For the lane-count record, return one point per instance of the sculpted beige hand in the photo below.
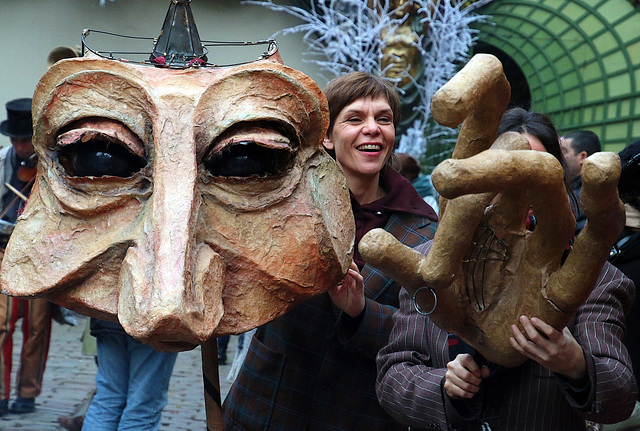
(484, 267)
(184, 203)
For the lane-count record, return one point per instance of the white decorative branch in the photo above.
(345, 35)
(341, 35)
(444, 48)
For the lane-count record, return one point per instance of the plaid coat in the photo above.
(525, 398)
(314, 368)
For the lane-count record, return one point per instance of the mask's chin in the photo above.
(172, 346)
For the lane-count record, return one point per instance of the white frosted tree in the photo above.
(444, 47)
(341, 35)
(345, 35)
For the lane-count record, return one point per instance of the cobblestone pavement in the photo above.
(69, 383)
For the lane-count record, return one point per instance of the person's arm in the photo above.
(558, 351)
(463, 377)
(348, 296)
(368, 331)
(591, 362)
(600, 331)
(412, 374)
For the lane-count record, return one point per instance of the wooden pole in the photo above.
(211, 378)
(16, 191)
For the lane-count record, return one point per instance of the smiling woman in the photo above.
(365, 112)
(326, 347)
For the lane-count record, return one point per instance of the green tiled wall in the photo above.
(581, 59)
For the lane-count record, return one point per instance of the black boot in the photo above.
(23, 405)
(223, 342)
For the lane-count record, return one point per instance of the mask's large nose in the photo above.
(170, 287)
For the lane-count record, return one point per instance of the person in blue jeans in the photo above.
(131, 384)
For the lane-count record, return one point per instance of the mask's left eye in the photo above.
(91, 153)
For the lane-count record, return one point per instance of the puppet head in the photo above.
(185, 203)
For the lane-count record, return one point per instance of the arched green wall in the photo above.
(581, 59)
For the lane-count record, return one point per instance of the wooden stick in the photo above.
(210, 375)
(16, 191)
(18, 194)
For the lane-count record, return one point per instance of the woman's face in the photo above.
(535, 143)
(363, 136)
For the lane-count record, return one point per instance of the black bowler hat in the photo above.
(18, 122)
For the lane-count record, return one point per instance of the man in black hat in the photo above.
(17, 173)
(17, 159)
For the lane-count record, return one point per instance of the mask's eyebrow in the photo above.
(261, 95)
(90, 94)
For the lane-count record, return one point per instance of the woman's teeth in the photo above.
(370, 147)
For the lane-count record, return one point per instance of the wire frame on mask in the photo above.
(178, 46)
(142, 57)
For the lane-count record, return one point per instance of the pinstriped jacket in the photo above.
(528, 397)
(314, 368)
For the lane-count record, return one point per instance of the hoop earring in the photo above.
(417, 307)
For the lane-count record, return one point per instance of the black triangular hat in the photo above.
(179, 44)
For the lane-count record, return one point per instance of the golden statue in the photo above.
(401, 58)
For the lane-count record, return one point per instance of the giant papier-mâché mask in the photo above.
(186, 203)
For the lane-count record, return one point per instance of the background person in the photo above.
(576, 147)
(17, 172)
(314, 368)
(132, 382)
(625, 256)
(411, 170)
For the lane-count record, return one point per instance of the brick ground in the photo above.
(69, 383)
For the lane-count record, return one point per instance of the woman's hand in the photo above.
(348, 296)
(463, 377)
(557, 351)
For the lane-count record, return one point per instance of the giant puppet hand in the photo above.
(484, 267)
(185, 204)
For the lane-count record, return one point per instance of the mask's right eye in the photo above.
(247, 158)
(253, 149)
(98, 152)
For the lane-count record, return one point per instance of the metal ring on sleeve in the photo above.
(417, 307)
